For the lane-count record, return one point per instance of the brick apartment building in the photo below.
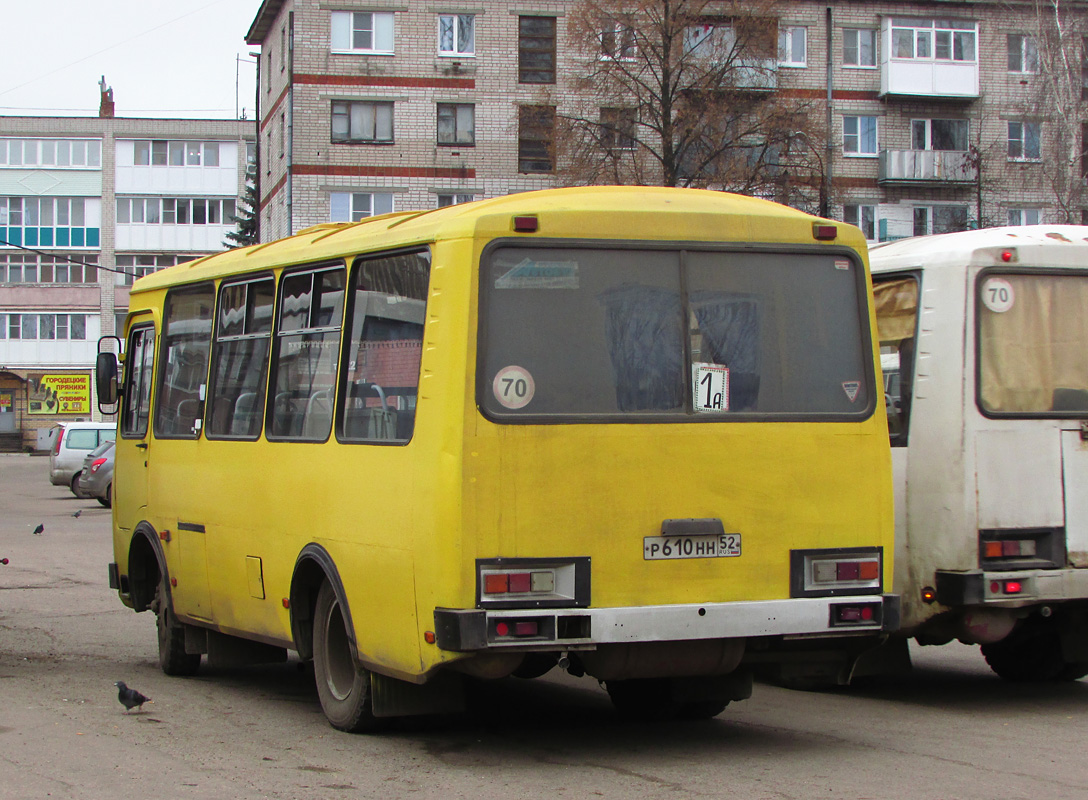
(86, 205)
(372, 105)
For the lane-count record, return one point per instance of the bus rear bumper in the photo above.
(1012, 589)
(473, 629)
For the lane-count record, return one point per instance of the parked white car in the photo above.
(74, 440)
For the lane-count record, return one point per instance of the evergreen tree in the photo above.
(246, 219)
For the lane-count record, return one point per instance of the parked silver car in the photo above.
(96, 477)
(71, 443)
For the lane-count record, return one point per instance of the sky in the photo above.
(162, 58)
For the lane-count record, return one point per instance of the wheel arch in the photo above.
(146, 567)
(313, 567)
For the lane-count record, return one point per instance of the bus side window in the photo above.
(307, 345)
(381, 380)
(240, 363)
(138, 374)
(183, 368)
(897, 319)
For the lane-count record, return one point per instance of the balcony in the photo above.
(947, 167)
(929, 58)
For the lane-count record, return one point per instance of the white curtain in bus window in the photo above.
(307, 352)
(1033, 344)
(240, 363)
(380, 383)
(183, 371)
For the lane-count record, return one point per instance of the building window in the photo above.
(1024, 141)
(859, 136)
(863, 216)
(174, 211)
(939, 134)
(71, 327)
(536, 49)
(1024, 216)
(536, 133)
(362, 32)
(176, 154)
(34, 268)
(456, 123)
(791, 46)
(940, 40)
(618, 41)
(50, 221)
(453, 199)
(73, 153)
(1023, 53)
(939, 219)
(859, 47)
(367, 122)
(618, 128)
(456, 34)
(354, 206)
(1084, 68)
(137, 266)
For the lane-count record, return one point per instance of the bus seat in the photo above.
(286, 421)
(318, 417)
(188, 411)
(1069, 400)
(246, 419)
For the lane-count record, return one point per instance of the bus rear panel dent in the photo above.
(608, 442)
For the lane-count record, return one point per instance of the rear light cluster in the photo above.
(1009, 548)
(517, 628)
(532, 582)
(855, 614)
(98, 462)
(1009, 588)
(827, 573)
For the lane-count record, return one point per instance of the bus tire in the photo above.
(342, 686)
(172, 656)
(1026, 658)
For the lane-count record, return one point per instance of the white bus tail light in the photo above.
(532, 583)
(827, 573)
(1031, 548)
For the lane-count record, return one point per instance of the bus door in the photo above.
(133, 451)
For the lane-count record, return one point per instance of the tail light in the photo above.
(826, 573)
(98, 462)
(1006, 549)
(532, 583)
(57, 444)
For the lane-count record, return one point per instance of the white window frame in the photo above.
(355, 113)
(453, 198)
(345, 24)
(854, 137)
(792, 38)
(464, 116)
(624, 41)
(354, 206)
(1023, 54)
(929, 210)
(456, 23)
(926, 38)
(856, 35)
(929, 132)
(1018, 140)
(1025, 216)
(863, 215)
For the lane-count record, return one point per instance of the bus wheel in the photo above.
(172, 656)
(343, 687)
(643, 698)
(1034, 657)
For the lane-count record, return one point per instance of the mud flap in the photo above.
(390, 697)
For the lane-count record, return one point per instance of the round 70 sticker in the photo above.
(997, 295)
(513, 387)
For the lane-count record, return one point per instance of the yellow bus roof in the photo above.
(624, 212)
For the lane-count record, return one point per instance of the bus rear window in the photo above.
(1033, 344)
(700, 334)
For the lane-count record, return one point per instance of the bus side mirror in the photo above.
(106, 378)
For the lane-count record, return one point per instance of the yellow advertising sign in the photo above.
(59, 393)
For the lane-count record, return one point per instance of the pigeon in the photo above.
(130, 698)
(39, 529)
(76, 515)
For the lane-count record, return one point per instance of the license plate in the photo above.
(710, 545)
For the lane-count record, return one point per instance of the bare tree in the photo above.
(1057, 41)
(687, 93)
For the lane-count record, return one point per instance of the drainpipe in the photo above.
(290, 120)
(825, 185)
(257, 149)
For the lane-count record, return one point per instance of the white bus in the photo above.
(984, 346)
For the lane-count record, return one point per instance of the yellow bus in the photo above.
(631, 432)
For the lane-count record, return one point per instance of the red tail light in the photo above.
(56, 445)
(98, 462)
